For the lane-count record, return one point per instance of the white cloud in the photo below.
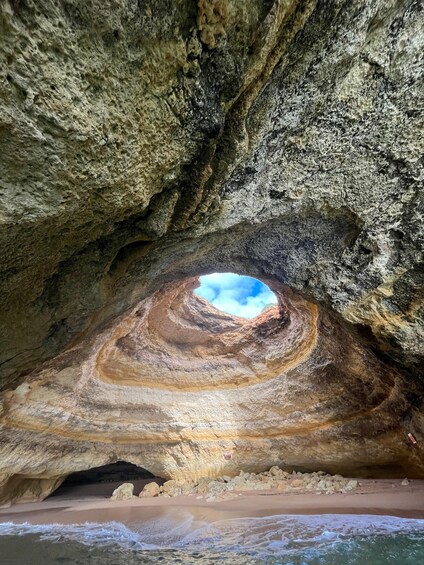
(235, 294)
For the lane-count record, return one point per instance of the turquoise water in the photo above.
(289, 540)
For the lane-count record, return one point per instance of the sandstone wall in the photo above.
(186, 391)
(142, 144)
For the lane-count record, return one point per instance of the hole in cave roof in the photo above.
(234, 294)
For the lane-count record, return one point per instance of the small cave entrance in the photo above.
(102, 481)
(238, 295)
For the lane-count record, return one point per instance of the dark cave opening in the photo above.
(101, 481)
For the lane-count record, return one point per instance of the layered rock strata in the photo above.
(186, 391)
(145, 143)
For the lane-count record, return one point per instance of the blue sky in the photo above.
(236, 294)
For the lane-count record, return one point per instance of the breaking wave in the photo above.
(273, 539)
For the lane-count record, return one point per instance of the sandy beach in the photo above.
(91, 503)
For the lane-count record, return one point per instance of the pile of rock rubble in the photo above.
(275, 479)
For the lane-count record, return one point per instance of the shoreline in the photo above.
(373, 497)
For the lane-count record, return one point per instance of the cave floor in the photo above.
(90, 503)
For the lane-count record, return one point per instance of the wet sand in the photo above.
(90, 503)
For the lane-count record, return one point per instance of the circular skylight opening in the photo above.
(234, 294)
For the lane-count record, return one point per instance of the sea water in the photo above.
(274, 540)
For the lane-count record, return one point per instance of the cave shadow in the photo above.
(102, 481)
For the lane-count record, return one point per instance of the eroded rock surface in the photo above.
(123, 492)
(187, 391)
(144, 144)
(150, 490)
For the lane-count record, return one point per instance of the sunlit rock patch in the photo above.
(186, 391)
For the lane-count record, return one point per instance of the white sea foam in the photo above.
(89, 533)
(284, 533)
(271, 535)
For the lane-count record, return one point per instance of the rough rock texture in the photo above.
(274, 479)
(176, 386)
(142, 144)
(123, 492)
(150, 490)
(110, 114)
